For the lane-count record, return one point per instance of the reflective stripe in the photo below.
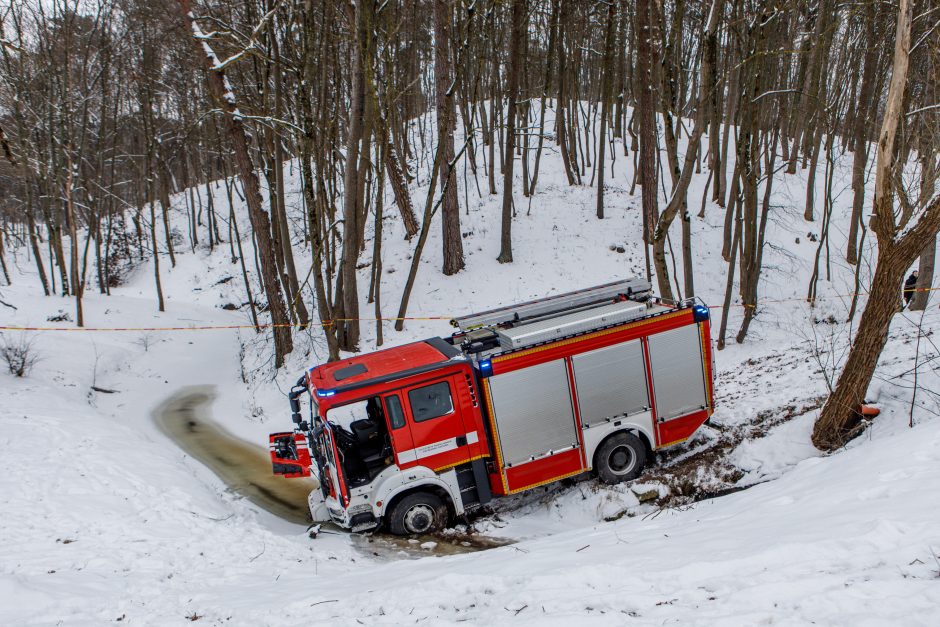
(436, 448)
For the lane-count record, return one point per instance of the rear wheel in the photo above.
(417, 513)
(619, 458)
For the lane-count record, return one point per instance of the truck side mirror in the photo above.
(295, 410)
(290, 454)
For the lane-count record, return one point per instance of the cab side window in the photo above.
(395, 414)
(430, 401)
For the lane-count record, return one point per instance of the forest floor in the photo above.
(105, 518)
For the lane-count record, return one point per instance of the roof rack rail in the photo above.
(634, 289)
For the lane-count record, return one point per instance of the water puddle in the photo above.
(384, 546)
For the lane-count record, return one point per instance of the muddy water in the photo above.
(185, 417)
(244, 467)
(385, 546)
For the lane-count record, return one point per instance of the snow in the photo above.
(105, 518)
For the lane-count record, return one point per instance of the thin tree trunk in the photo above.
(515, 47)
(647, 119)
(446, 114)
(607, 69)
(546, 84)
(3, 261)
(77, 283)
(400, 189)
(865, 105)
(429, 208)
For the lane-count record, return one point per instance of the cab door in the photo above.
(398, 428)
(336, 483)
(434, 417)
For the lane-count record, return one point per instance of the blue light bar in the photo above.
(700, 313)
(486, 368)
(325, 393)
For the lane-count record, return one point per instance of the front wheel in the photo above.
(417, 513)
(620, 457)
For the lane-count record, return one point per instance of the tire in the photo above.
(416, 514)
(621, 457)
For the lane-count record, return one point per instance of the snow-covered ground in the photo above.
(103, 518)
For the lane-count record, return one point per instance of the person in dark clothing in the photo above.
(909, 286)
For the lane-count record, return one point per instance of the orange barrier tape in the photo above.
(327, 323)
(787, 300)
(221, 327)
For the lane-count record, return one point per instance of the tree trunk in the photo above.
(3, 261)
(512, 90)
(866, 105)
(561, 123)
(446, 115)
(838, 418)
(928, 178)
(283, 236)
(925, 276)
(346, 308)
(400, 188)
(164, 193)
(77, 283)
(647, 117)
(215, 77)
(607, 69)
(547, 81)
(34, 244)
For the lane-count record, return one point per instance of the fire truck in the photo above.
(592, 381)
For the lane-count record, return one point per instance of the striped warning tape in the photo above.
(218, 327)
(327, 323)
(819, 298)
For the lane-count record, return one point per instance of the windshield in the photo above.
(345, 415)
(362, 439)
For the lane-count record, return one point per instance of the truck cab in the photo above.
(390, 424)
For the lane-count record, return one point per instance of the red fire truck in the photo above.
(519, 397)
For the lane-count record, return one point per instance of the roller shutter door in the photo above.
(676, 366)
(533, 412)
(611, 381)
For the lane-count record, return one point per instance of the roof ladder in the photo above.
(634, 289)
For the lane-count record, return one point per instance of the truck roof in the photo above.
(389, 363)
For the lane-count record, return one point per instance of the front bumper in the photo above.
(357, 518)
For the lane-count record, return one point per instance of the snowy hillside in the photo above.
(105, 518)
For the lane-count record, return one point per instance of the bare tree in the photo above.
(446, 116)
(902, 235)
(222, 93)
(512, 93)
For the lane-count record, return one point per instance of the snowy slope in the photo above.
(105, 518)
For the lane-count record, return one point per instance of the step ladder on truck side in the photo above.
(592, 381)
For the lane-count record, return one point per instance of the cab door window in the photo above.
(430, 401)
(396, 416)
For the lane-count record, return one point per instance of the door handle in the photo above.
(461, 440)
